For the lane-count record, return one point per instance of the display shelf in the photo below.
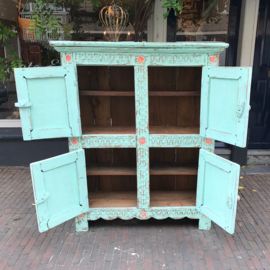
(132, 130)
(129, 169)
(112, 199)
(99, 93)
(172, 198)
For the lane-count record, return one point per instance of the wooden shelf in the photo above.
(112, 199)
(109, 130)
(132, 130)
(111, 169)
(128, 169)
(172, 169)
(174, 130)
(132, 93)
(101, 199)
(108, 93)
(172, 198)
(174, 93)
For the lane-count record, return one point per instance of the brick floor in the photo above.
(133, 244)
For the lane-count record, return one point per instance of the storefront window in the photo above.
(80, 22)
(204, 20)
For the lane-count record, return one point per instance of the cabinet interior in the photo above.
(173, 180)
(111, 177)
(107, 99)
(174, 107)
(107, 104)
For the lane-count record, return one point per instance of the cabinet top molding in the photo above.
(137, 47)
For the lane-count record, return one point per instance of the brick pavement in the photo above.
(134, 244)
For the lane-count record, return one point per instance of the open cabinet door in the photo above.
(48, 102)
(60, 189)
(217, 189)
(225, 98)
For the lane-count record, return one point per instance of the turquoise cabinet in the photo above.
(141, 120)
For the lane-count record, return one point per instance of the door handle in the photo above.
(229, 201)
(240, 109)
(42, 198)
(23, 104)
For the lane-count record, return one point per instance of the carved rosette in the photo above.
(213, 60)
(67, 59)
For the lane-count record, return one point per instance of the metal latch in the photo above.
(43, 198)
(229, 201)
(240, 109)
(23, 105)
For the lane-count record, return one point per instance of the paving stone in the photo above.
(133, 244)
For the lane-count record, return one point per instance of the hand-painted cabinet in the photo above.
(141, 120)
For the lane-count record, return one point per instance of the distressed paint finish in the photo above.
(142, 133)
(141, 55)
(132, 60)
(204, 223)
(82, 223)
(225, 104)
(175, 140)
(60, 192)
(217, 200)
(208, 144)
(48, 114)
(140, 48)
(154, 212)
(109, 141)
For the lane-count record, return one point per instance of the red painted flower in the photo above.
(81, 215)
(140, 59)
(68, 58)
(142, 141)
(208, 141)
(74, 141)
(212, 59)
(143, 214)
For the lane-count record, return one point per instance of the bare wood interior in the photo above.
(107, 104)
(130, 169)
(179, 110)
(129, 199)
(132, 130)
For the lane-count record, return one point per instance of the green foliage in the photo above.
(12, 61)
(176, 5)
(42, 18)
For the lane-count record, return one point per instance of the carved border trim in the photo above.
(157, 213)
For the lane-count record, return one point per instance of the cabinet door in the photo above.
(217, 189)
(48, 102)
(225, 104)
(60, 189)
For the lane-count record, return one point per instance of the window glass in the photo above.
(204, 20)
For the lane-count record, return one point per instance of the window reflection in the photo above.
(203, 20)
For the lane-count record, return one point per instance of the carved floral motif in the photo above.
(109, 141)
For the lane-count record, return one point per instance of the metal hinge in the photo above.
(43, 198)
(240, 109)
(23, 105)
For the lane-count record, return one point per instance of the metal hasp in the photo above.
(60, 183)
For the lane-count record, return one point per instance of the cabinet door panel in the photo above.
(217, 189)
(60, 189)
(48, 102)
(225, 104)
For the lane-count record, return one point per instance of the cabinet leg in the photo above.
(81, 223)
(204, 223)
